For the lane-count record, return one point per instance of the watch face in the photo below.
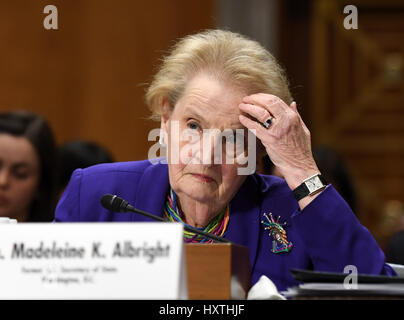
(314, 184)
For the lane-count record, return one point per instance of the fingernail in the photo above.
(242, 105)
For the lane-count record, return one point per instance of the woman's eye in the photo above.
(193, 126)
(237, 139)
(21, 175)
(232, 140)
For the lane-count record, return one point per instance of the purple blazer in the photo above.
(326, 235)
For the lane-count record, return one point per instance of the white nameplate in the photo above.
(92, 261)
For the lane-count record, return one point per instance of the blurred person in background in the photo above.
(336, 172)
(79, 154)
(393, 228)
(395, 248)
(27, 167)
(331, 165)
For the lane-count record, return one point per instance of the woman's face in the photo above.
(19, 176)
(206, 108)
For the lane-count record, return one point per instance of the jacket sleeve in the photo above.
(334, 238)
(68, 208)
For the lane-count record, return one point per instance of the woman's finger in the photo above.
(254, 111)
(270, 102)
(252, 125)
(293, 105)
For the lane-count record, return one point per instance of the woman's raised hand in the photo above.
(286, 140)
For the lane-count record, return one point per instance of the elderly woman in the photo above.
(213, 82)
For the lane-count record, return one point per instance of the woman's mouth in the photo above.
(202, 177)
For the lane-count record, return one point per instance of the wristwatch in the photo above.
(310, 186)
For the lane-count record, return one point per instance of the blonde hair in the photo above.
(227, 55)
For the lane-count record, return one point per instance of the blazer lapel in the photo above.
(152, 190)
(244, 221)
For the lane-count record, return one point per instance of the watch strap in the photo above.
(302, 191)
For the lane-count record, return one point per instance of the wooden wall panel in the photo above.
(88, 77)
(357, 99)
(349, 86)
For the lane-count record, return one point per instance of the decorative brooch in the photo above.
(277, 232)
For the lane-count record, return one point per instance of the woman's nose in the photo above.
(4, 178)
(212, 149)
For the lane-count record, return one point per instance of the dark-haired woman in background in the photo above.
(27, 167)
